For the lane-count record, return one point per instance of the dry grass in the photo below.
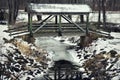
(30, 50)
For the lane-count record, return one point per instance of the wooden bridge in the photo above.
(57, 11)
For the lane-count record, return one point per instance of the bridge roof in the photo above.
(59, 8)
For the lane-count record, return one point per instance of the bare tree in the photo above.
(101, 9)
(114, 4)
(104, 12)
(13, 6)
(99, 12)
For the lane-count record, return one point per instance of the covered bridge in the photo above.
(57, 11)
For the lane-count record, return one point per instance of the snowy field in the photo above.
(112, 17)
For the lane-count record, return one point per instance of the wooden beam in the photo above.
(55, 74)
(60, 25)
(87, 24)
(45, 19)
(43, 24)
(59, 73)
(73, 23)
(30, 24)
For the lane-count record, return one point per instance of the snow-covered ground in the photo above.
(101, 50)
(20, 60)
(112, 17)
(3, 34)
(103, 44)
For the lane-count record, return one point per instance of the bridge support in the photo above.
(87, 24)
(56, 19)
(60, 16)
(30, 24)
(60, 25)
(70, 21)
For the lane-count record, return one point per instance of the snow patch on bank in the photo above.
(103, 44)
(98, 51)
(18, 65)
(4, 34)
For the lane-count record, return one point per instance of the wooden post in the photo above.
(60, 25)
(59, 74)
(56, 21)
(55, 74)
(30, 24)
(87, 24)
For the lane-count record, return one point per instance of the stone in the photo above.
(113, 53)
(86, 56)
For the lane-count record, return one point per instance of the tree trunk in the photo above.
(2, 13)
(99, 13)
(13, 6)
(39, 17)
(82, 18)
(104, 13)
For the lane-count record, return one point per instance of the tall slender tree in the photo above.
(104, 12)
(99, 12)
(13, 6)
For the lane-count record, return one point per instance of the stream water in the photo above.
(58, 49)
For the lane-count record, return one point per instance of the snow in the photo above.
(6, 47)
(20, 65)
(56, 46)
(4, 34)
(100, 45)
(115, 34)
(51, 8)
(103, 44)
(112, 17)
(116, 65)
(116, 78)
(66, 39)
(23, 17)
(58, 50)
